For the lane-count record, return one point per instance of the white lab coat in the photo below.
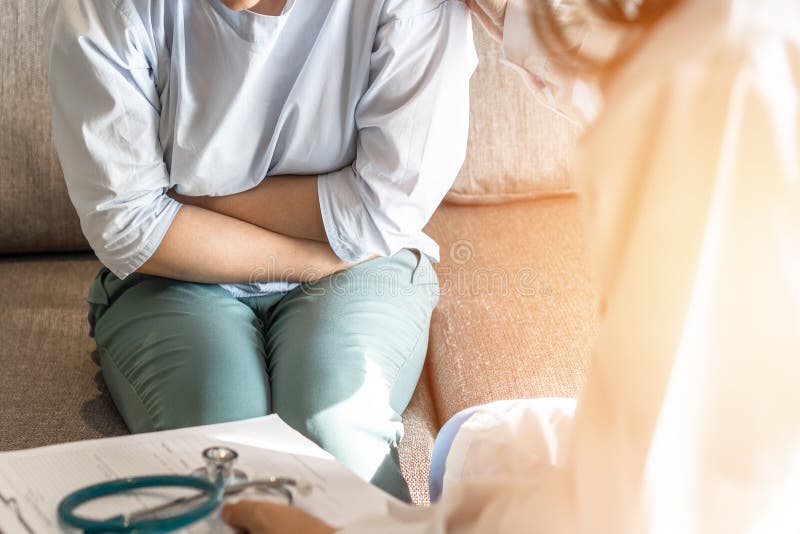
(688, 423)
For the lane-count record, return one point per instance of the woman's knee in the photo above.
(173, 390)
(175, 355)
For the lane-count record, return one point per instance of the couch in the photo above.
(517, 313)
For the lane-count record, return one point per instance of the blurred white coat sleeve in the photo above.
(690, 179)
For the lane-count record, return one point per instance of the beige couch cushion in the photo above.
(48, 392)
(517, 314)
(35, 213)
(518, 148)
(416, 448)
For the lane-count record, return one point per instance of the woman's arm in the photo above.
(208, 247)
(412, 124)
(288, 205)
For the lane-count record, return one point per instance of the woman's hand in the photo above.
(491, 14)
(270, 518)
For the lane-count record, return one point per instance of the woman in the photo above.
(691, 182)
(217, 300)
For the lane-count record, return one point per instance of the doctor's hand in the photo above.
(491, 14)
(258, 517)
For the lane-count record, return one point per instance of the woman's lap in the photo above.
(338, 360)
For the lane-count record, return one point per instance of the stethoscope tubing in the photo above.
(66, 508)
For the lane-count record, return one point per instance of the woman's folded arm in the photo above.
(208, 247)
(288, 205)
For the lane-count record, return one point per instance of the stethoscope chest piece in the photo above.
(220, 463)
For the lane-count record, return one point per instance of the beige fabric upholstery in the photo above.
(35, 213)
(47, 387)
(421, 427)
(518, 148)
(517, 313)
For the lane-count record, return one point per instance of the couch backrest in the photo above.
(35, 213)
(517, 148)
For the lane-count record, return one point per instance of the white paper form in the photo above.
(37, 479)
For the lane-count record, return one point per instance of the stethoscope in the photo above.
(217, 480)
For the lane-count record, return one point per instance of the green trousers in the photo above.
(338, 359)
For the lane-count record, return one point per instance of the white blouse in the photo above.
(688, 423)
(372, 96)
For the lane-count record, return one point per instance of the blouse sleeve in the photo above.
(412, 134)
(105, 121)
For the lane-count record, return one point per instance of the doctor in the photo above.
(690, 177)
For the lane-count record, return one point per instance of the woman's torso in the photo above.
(242, 96)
